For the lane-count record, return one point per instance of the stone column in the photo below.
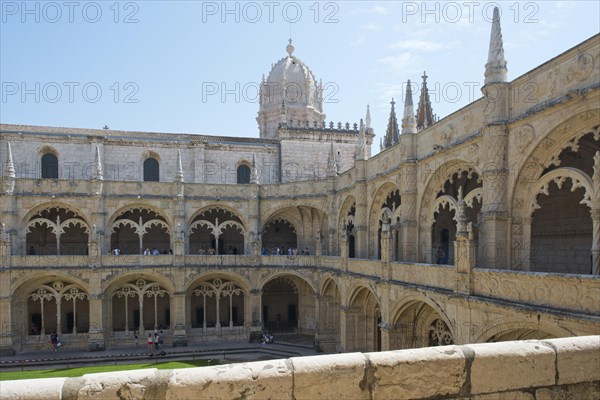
(178, 234)
(9, 329)
(343, 328)
(252, 241)
(425, 246)
(526, 253)
(344, 244)
(317, 320)
(386, 243)
(464, 246)
(361, 241)
(493, 236)
(255, 309)
(385, 336)
(596, 216)
(408, 212)
(596, 241)
(97, 340)
(178, 312)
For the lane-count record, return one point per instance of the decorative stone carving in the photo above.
(524, 136)
(581, 67)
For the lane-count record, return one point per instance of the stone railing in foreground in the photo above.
(548, 369)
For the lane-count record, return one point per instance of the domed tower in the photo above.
(290, 93)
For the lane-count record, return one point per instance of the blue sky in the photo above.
(149, 65)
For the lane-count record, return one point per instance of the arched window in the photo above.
(151, 170)
(243, 174)
(49, 166)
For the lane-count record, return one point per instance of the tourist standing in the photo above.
(150, 342)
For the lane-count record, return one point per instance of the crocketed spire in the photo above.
(495, 69)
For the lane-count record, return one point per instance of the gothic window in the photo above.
(151, 170)
(243, 174)
(216, 231)
(49, 166)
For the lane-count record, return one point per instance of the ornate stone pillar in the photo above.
(318, 245)
(343, 244)
(360, 217)
(464, 246)
(596, 216)
(386, 243)
(596, 241)
(178, 303)
(178, 234)
(493, 237)
(96, 340)
(526, 252)
(425, 246)
(255, 309)
(408, 212)
(252, 241)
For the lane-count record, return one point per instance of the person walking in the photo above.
(155, 340)
(54, 341)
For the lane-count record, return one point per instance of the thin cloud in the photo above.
(379, 10)
(421, 45)
(402, 62)
(358, 41)
(371, 27)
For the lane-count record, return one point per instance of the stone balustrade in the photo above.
(568, 292)
(549, 369)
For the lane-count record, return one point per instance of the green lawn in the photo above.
(74, 372)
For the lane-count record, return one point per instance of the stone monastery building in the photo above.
(481, 226)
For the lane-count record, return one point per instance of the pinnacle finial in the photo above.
(495, 69)
(10, 166)
(425, 115)
(179, 175)
(254, 172)
(290, 48)
(331, 163)
(98, 162)
(409, 122)
(368, 117)
(361, 146)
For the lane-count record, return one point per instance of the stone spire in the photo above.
(392, 135)
(495, 69)
(254, 172)
(368, 117)
(179, 175)
(361, 146)
(409, 122)
(9, 171)
(424, 111)
(331, 163)
(98, 165)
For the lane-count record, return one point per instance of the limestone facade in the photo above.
(484, 226)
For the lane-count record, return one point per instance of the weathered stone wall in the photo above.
(123, 153)
(531, 370)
